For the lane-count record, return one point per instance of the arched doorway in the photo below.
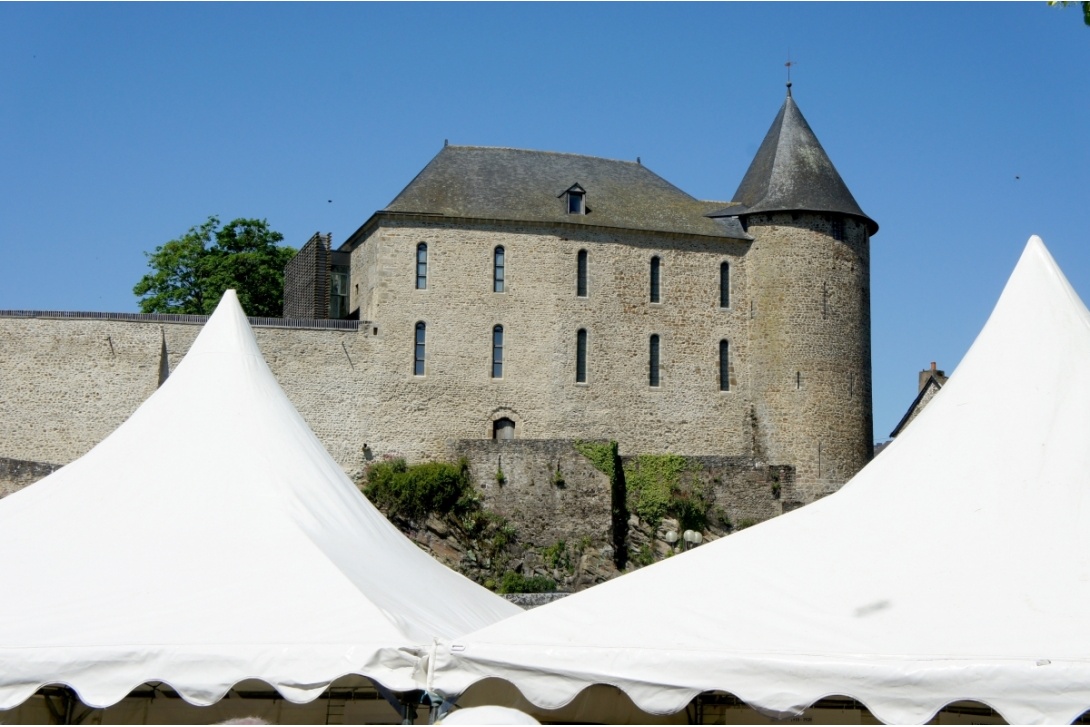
(503, 429)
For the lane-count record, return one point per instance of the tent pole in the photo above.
(408, 712)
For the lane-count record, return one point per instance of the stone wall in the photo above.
(16, 474)
(66, 383)
(557, 500)
(550, 490)
(810, 346)
(457, 398)
(744, 491)
(797, 328)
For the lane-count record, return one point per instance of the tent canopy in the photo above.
(212, 539)
(955, 566)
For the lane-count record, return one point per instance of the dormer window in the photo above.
(576, 203)
(575, 199)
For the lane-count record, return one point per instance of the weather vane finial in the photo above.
(788, 65)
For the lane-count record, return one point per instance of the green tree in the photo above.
(190, 274)
(1085, 8)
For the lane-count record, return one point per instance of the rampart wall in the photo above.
(67, 382)
(551, 490)
(797, 327)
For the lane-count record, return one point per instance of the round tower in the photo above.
(808, 272)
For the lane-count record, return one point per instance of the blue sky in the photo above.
(960, 128)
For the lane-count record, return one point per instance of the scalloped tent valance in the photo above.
(209, 540)
(955, 566)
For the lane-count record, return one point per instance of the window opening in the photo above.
(724, 366)
(653, 361)
(724, 285)
(338, 291)
(503, 429)
(497, 352)
(581, 356)
(498, 270)
(656, 279)
(581, 275)
(576, 203)
(575, 200)
(418, 350)
(422, 266)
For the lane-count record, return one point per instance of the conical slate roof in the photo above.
(955, 566)
(211, 539)
(792, 173)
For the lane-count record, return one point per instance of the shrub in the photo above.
(556, 556)
(643, 556)
(655, 490)
(513, 582)
(690, 508)
(415, 491)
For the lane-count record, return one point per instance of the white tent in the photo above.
(211, 539)
(955, 566)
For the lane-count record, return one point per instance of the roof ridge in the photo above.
(542, 151)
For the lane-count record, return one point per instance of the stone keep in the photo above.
(575, 297)
(538, 295)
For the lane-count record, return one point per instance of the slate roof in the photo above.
(927, 391)
(792, 173)
(529, 186)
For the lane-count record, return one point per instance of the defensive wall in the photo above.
(554, 492)
(546, 486)
(796, 325)
(68, 380)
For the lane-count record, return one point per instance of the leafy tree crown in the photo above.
(191, 273)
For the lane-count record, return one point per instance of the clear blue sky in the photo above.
(960, 128)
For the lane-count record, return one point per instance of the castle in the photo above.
(513, 294)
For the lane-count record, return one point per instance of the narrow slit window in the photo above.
(724, 366)
(656, 279)
(581, 275)
(724, 285)
(581, 356)
(653, 361)
(419, 349)
(497, 352)
(422, 266)
(498, 269)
